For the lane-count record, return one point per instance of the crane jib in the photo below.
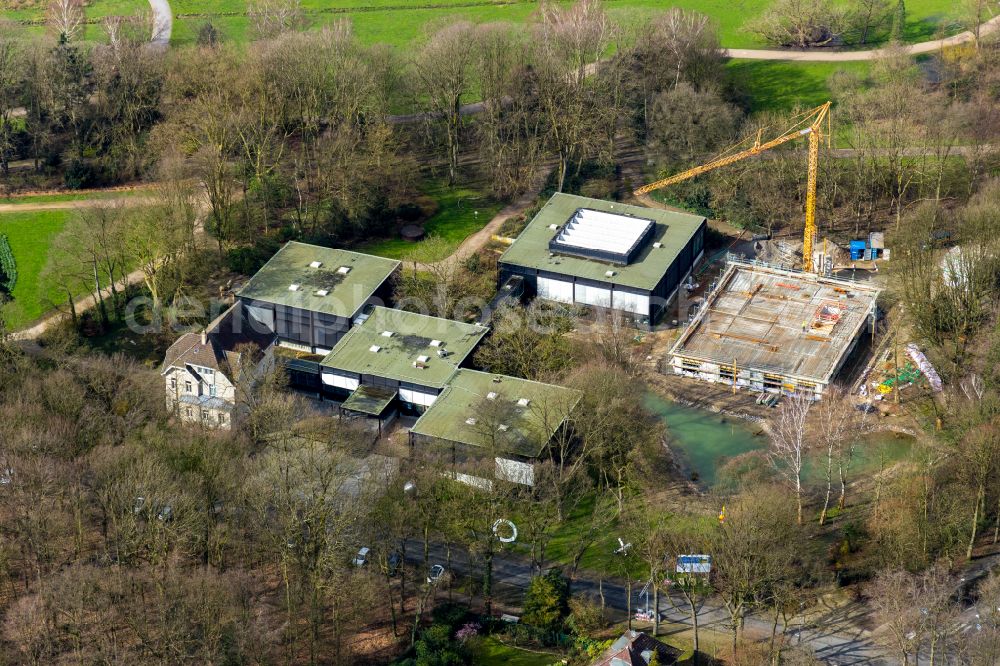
(815, 134)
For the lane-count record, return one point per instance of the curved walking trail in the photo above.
(87, 302)
(476, 241)
(163, 23)
(822, 55)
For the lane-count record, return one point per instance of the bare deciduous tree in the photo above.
(271, 18)
(790, 442)
(444, 68)
(65, 18)
(800, 23)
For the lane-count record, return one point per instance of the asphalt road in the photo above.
(835, 639)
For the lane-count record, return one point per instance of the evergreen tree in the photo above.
(546, 602)
(898, 21)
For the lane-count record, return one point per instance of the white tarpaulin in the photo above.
(925, 366)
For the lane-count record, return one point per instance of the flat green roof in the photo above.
(413, 336)
(371, 400)
(346, 291)
(673, 230)
(529, 427)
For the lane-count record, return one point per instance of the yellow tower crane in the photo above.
(814, 130)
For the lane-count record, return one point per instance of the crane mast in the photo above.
(816, 117)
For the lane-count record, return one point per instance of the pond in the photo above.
(704, 440)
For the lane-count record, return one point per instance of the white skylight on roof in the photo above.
(657, 245)
(605, 232)
(423, 359)
(503, 427)
(492, 395)
(315, 264)
(374, 348)
(436, 343)
(293, 287)
(523, 402)
(322, 292)
(344, 270)
(386, 334)
(609, 273)
(470, 421)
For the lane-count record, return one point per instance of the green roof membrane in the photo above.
(348, 279)
(529, 426)
(371, 400)
(672, 231)
(409, 354)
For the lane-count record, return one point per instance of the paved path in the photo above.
(82, 305)
(163, 23)
(825, 55)
(71, 205)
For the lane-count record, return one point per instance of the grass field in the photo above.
(30, 236)
(400, 22)
(462, 211)
(491, 652)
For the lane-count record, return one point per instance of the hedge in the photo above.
(8, 269)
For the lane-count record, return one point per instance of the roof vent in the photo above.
(554, 227)
(523, 402)
(322, 292)
(497, 379)
(492, 395)
(470, 421)
(503, 427)
(293, 287)
(344, 270)
(609, 273)
(436, 343)
(386, 334)
(315, 264)
(374, 348)
(657, 244)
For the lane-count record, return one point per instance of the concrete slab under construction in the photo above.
(774, 330)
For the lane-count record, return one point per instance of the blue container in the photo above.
(858, 249)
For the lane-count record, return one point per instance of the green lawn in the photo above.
(400, 22)
(491, 652)
(601, 554)
(461, 212)
(393, 22)
(30, 235)
(781, 85)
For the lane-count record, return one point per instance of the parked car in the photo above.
(361, 559)
(395, 561)
(435, 573)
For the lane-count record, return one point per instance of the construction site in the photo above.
(774, 331)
